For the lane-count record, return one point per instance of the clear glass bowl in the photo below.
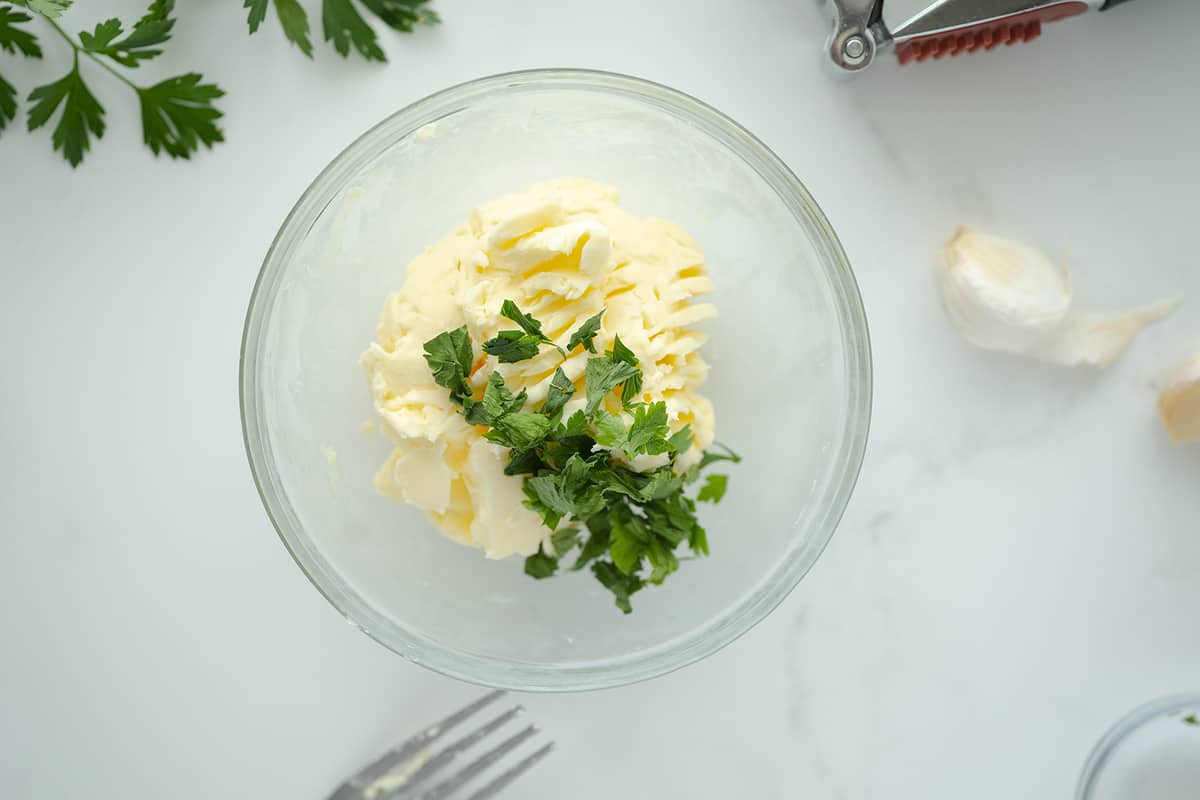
(1152, 753)
(790, 380)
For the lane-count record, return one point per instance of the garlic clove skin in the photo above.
(1096, 339)
(1006, 296)
(1179, 403)
(1002, 295)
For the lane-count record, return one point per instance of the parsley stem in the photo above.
(75, 46)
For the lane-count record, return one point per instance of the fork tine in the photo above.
(452, 752)
(412, 747)
(507, 777)
(477, 766)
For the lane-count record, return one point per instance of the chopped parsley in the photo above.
(450, 358)
(627, 525)
(511, 346)
(602, 376)
(586, 335)
(713, 490)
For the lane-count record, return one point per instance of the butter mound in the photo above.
(562, 250)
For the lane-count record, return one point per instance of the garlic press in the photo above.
(918, 29)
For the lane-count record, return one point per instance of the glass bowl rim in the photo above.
(687, 648)
(1121, 730)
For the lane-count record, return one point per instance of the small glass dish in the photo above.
(790, 379)
(1153, 753)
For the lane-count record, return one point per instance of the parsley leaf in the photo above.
(100, 40)
(152, 29)
(621, 353)
(621, 585)
(292, 18)
(586, 334)
(502, 410)
(625, 546)
(569, 491)
(550, 494)
(498, 400)
(294, 21)
(585, 497)
(403, 15)
(637, 486)
(661, 483)
(178, 115)
(8, 102)
(599, 528)
(539, 565)
(628, 541)
(82, 115)
(527, 342)
(558, 393)
(662, 561)
(344, 26)
(520, 431)
(550, 517)
(602, 376)
(671, 518)
(562, 542)
(575, 426)
(648, 433)
(523, 462)
(510, 347)
(713, 489)
(509, 310)
(711, 457)
(1191, 719)
(610, 429)
(14, 39)
(646, 436)
(51, 9)
(571, 438)
(342, 23)
(258, 12)
(450, 357)
(618, 480)
(681, 440)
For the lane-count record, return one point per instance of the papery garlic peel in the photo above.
(1006, 296)
(1179, 403)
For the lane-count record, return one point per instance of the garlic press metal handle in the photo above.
(858, 32)
(936, 28)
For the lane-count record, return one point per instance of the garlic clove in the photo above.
(1179, 403)
(1006, 296)
(1001, 294)
(1096, 339)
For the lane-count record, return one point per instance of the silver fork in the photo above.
(404, 771)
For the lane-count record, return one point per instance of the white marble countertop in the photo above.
(1019, 566)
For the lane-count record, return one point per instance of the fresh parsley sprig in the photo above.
(634, 521)
(15, 39)
(178, 114)
(342, 24)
